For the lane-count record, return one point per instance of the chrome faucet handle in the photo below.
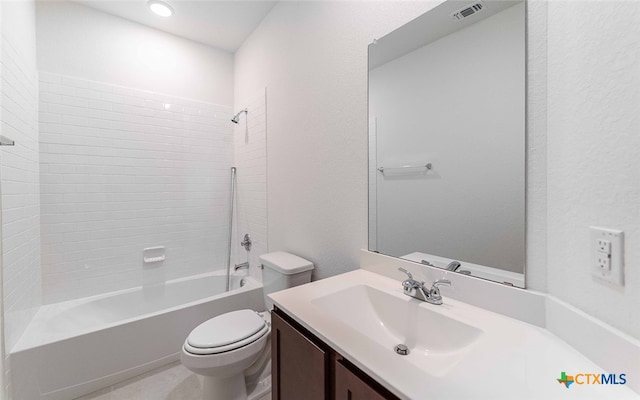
(441, 282)
(406, 272)
(410, 284)
(434, 293)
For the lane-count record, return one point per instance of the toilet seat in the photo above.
(226, 332)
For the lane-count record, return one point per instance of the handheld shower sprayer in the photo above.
(236, 118)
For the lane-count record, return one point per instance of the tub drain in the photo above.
(401, 349)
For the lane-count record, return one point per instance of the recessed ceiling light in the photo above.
(160, 8)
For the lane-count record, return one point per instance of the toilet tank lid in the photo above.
(285, 263)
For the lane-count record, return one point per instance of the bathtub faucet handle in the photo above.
(246, 243)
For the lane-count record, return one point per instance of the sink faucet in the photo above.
(417, 290)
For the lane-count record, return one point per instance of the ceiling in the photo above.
(221, 24)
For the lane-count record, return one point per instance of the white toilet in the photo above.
(223, 348)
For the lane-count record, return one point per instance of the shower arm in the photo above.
(236, 118)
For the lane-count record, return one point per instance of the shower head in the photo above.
(236, 118)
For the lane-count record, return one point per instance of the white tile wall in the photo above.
(124, 169)
(19, 186)
(251, 160)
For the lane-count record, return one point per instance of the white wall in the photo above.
(463, 111)
(124, 169)
(79, 41)
(19, 27)
(19, 184)
(583, 102)
(536, 168)
(312, 57)
(593, 141)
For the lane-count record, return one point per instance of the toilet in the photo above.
(226, 348)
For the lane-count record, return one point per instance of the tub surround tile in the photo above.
(20, 194)
(123, 169)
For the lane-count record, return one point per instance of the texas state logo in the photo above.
(565, 380)
(591, 379)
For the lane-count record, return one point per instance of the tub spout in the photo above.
(244, 265)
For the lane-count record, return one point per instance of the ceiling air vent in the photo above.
(468, 10)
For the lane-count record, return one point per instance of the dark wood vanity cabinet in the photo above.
(298, 364)
(306, 368)
(350, 386)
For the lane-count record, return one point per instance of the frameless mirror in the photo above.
(447, 140)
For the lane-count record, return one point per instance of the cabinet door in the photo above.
(299, 367)
(348, 386)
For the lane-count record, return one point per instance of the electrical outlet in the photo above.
(604, 246)
(607, 254)
(604, 261)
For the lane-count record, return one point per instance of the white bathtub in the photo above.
(76, 347)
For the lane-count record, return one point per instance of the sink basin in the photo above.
(436, 342)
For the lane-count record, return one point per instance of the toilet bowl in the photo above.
(224, 348)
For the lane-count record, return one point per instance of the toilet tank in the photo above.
(281, 271)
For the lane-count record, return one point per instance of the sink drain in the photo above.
(401, 349)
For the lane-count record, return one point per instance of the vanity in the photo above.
(305, 367)
(337, 338)
(447, 150)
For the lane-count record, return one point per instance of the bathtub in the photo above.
(76, 347)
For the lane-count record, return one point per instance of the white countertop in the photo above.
(511, 359)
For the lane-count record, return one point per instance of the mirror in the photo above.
(447, 140)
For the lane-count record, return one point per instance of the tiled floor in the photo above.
(171, 382)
